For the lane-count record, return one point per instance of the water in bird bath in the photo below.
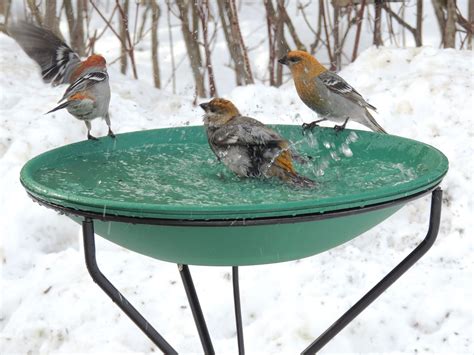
(188, 174)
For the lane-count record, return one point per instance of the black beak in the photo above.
(205, 106)
(283, 60)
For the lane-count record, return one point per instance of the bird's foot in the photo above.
(91, 137)
(309, 126)
(111, 134)
(341, 127)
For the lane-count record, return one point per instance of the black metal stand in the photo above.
(114, 294)
(318, 344)
(387, 281)
(238, 313)
(196, 309)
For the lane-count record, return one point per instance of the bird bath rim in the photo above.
(232, 211)
(237, 222)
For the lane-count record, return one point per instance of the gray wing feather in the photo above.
(338, 85)
(84, 83)
(246, 131)
(56, 59)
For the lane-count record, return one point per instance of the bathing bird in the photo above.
(326, 93)
(248, 147)
(88, 94)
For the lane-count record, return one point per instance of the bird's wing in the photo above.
(85, 82)
(247, 121)
(245, 133)
(338, 85)
(55, 57)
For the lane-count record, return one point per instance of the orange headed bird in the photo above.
(246, 146)
(326, 93)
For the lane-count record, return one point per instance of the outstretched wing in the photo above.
(85, 82)
(338, 85)
(56, 58)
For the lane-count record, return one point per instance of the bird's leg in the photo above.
(89, 136)
(310, 126)
(342, 127)
(107, 120)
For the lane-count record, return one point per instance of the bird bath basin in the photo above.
(162, 193)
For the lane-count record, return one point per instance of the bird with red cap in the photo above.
(88, 94)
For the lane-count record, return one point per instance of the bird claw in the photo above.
(111, 134)
(309, 126)
(90, 137)
(342, 127)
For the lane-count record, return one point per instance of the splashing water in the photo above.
(331, 151)
(188, 174)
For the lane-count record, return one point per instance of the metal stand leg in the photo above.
(238, 315)
(387, 281)
(114, 294)
(196, 309)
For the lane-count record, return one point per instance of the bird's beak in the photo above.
(205, 106)
(283, 60)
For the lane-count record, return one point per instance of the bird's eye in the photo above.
(294, 59)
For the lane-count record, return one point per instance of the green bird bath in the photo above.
(197, 212)
(162, 193)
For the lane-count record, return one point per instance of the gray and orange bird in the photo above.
(246, 146)
(326, 93)
(88, 95)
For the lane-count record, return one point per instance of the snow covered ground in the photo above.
(49, 303)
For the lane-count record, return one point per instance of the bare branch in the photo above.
(106, 21)
(202, 8)
(170, 36)
(35, 12)
(236, 27)
(401, 21)
(122, 16)
(155, 15)
(291, 28)
(6, 13)
(127, 34)
(360, 17)
(450, 29)
(194, 53)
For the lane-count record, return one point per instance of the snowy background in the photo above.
(49, 303)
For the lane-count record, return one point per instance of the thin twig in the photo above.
(301, 7)
(170, 36)
(360, 17)
(399, 19)
(172, 78)
(107, 22)
(248, 69)
(136, 23)
(203, 12)
(127, 32)
(328, 43)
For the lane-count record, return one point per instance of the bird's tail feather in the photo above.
(372, 123)
(301, 181)
(299, 158)
(63, 105)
